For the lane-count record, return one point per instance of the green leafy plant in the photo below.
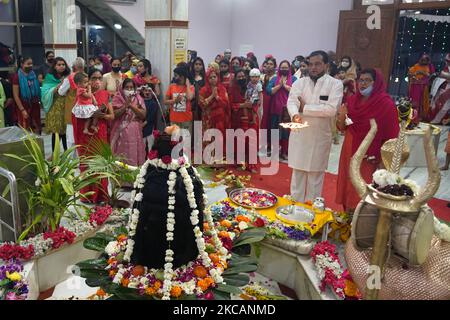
(57, 186)
(103, 160)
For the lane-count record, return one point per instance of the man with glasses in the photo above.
(313, 99)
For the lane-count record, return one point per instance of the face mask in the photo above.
(128, 93)
(99, 67)
(223, 72)
(50, 61)
(284, 72)
(242, 82)
(116, 69)
(28, 69)
(345, 64)
(133, 70)
(367, 92)
(143, 73)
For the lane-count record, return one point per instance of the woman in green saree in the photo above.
(53, 102)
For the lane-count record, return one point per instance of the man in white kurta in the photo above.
(314, 99)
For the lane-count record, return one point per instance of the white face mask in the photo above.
(367, 92)
(99, 67)
(128, 93)
(345, 64)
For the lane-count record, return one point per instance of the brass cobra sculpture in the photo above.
(389, 204)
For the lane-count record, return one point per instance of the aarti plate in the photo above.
(294, 126)
(252, 198)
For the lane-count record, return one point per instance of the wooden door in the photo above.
(371, 48)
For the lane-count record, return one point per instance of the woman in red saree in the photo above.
(240, 121)
(213, 100)
(370, 102)
(419, 80)
(82, 140)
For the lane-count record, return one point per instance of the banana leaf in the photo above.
(98, 282)
(250, 236)
(96, 244)
(220, 295)
(239, 260)
(97, 264)
(93, 274)
(237, 280)
(106, 237)
(240, 269)
(228, 289)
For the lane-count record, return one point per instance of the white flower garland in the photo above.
(223, 252)
(134, 213)
(190, 286)
(168, 266)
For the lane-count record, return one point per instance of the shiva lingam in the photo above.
(389, 212)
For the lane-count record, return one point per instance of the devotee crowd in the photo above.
(119, 101)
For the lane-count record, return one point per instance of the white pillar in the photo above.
(60, 33)
(166, 36)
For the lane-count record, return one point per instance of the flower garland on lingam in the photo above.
(45, 242)
(200, 277)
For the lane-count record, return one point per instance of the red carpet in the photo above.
(280, 185)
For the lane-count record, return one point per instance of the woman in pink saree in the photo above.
(126, 131)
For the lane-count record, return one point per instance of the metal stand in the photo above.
(380, 249)
(13, 203)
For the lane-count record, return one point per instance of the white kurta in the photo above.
(309, 149)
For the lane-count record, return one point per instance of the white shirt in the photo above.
(309, 148)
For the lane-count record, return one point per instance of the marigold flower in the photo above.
(224, 234)
(121, 238)
(150, 291)
(157, 285)
(138, 271)
(226, 224)
(205, 226)
(112, 273)
(214, 257)
(200, 272)
(242, 218)
(176, 291)
(125, 282)
(209, 281)
(111, 260)
(101, 292)
(203, 284)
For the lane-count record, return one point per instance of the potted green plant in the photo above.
(103, 160)
(57, 186)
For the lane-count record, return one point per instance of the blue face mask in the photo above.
(133, 70)
(367, 92)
